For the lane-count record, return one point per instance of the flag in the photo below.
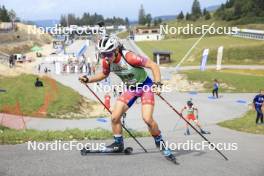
(204, 59)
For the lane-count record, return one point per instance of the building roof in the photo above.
(147, 27)
(161, 52)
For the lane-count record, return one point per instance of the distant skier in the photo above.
(258, 103)
(39, 68)
(192, 117)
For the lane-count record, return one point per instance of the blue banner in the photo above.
(82, 50)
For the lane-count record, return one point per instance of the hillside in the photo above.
(241, 11)
(22, 39)
(236, 50)
(54, 100)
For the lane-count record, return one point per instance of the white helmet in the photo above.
(107, 44)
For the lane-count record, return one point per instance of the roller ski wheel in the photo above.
(205, 132)
(126, 151)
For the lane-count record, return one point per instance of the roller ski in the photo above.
(169, 156)
(166, 152)
(114, 148)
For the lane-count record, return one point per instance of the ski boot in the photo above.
(187, 132)
(115, 147)
(167, 153)
(205, 132)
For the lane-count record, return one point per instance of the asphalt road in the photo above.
(246, 161)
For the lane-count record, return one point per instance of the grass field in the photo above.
(234, 80)
(11, 136)
(23, 97)
(236, 50)
(244, 124)
(123, 35)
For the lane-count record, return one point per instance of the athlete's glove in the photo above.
(157, 87)
(84, 79)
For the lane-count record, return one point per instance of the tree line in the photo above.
(6, 15)
(146, 19)
(91, 19)
(236, 9)
(195, 14)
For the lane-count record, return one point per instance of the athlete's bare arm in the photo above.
(98, 77)
(155, 70)
(182, 110)
(196, 110)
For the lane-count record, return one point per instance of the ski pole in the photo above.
(110, 112)
(211, 144)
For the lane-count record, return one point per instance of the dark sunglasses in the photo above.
(108, 55)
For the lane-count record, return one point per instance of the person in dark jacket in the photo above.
(258, 102)
(38, 83)
(215, 88)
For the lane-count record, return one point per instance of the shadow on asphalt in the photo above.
(188, 152)
(177, 153)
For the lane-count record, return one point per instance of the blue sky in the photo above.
(52, 9)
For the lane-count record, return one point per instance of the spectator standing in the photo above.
(215, 88)
(258, 105)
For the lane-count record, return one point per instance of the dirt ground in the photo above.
(27, 67)
(88, 108)
(179, 82)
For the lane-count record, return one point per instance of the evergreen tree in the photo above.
(12, 15)
(159, 20)
(63, 21)
(142, 16)
(126, 21)
(238, 9)
(180, 16)
(196, 10)
(4, 16)
(90, 19)
(148, 19)
(229, 3)
(188, 16)
(206, 14)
